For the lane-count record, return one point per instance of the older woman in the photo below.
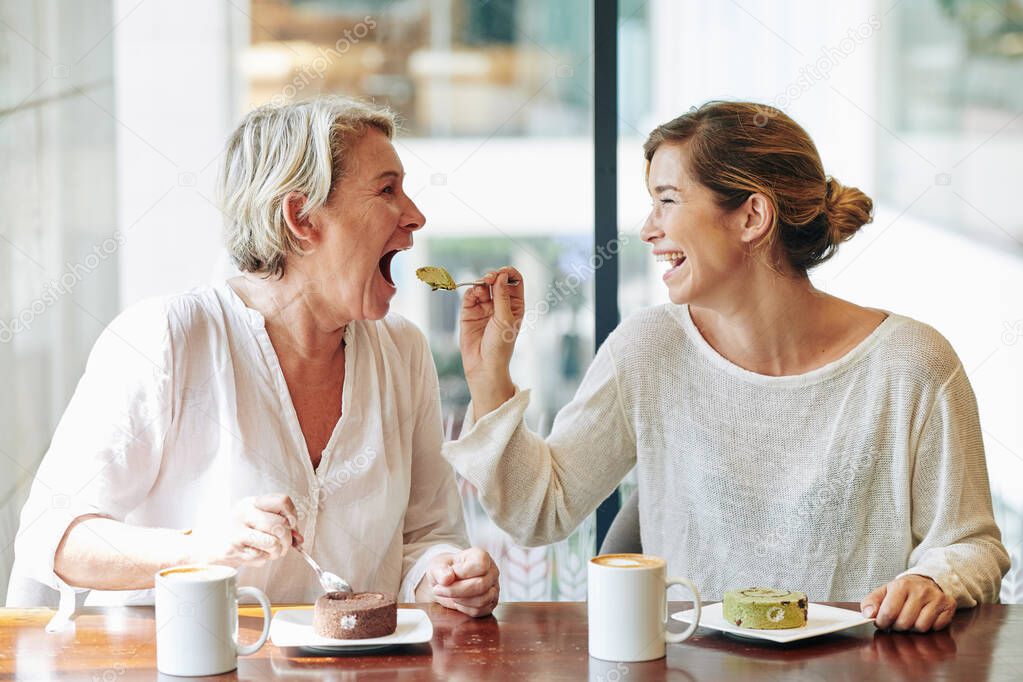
(781, 436)
(282, 406)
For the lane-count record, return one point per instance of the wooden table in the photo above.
(530, 641)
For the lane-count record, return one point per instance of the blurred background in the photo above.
(113, 116)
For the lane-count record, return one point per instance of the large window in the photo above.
(59, 245)
(495, 101)
(915, 101)
(951, 158)
(112, 116)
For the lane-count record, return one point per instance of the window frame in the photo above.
(605, 196)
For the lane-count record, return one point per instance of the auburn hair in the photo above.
(737, 149)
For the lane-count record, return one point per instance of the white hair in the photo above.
(277, 149)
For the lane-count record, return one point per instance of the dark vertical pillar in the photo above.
(605, 181)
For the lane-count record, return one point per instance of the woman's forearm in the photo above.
(538, 490)
(102, 554)
(489, 392)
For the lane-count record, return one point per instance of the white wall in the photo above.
(58, 247)
(178, 97)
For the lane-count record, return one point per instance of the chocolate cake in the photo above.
(765, 608)
(343, 615)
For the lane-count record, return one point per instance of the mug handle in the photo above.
(247, 649)
(674, 638)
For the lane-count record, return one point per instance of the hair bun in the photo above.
(847, 208)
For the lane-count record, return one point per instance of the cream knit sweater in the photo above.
(832, 482)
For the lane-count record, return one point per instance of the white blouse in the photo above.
(183, 410)
(832, 482)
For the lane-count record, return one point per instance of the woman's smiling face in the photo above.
(689, 231)
(367, 219)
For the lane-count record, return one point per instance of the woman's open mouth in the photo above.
(675, 259)
(385, 266)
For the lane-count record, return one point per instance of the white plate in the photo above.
(821, 619)
(294, 627)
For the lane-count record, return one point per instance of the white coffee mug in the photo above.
(197, 620)
(628, 607)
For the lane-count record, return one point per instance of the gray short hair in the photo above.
(277, 149)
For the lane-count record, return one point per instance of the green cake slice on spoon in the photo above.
(437, 278)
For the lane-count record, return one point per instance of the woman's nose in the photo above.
(413, 219)
(650, 231)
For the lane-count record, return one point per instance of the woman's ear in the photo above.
(757, 215)
(300, 226)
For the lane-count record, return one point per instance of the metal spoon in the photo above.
(330, 582)
(439, 278)
(480, 283)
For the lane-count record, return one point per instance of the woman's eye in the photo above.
(388, 190)
(667, 201)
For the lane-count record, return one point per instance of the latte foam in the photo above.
(195, 573)
(628, 561)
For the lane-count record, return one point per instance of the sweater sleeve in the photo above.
(956, 541)
(539, 491)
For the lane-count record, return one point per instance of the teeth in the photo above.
(670, 257)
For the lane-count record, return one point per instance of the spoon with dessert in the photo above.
(439, 278)
(330, 582)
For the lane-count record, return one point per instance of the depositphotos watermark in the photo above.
(820, 502)
(1012, 332)
(63, 285)
(820, 69)
(316, 68)
(337, 479)
(608, 671)
(110, 674)
(569, 285)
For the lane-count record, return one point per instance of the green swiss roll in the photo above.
(765, 608)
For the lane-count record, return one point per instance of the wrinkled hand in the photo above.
(912, 602)
(491, 317)
(467, 581)
(259, 529)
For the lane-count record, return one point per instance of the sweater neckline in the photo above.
(835, 367)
